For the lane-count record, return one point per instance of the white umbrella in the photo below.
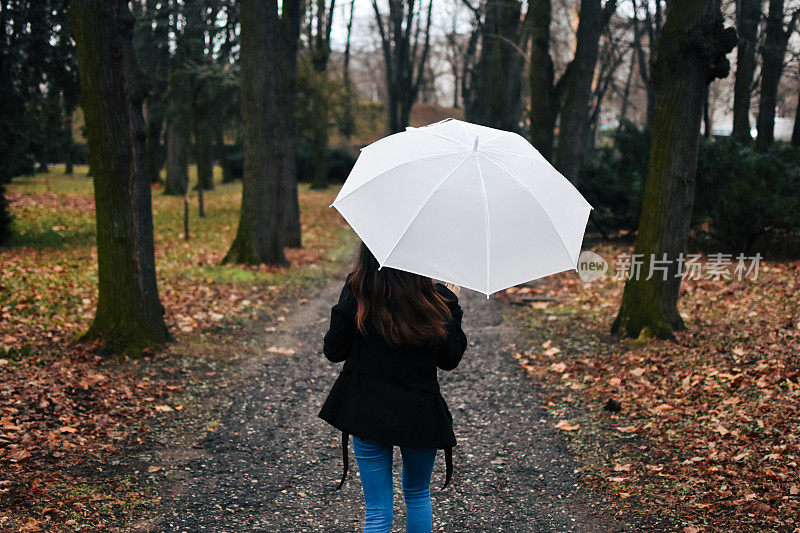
(465, 204)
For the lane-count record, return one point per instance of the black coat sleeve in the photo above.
(452, 347)
(338, 341)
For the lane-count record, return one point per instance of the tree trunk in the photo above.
(221, 150)
(260, 237)
(5, 216)
(578, 87)
(544, 106)
(775, 39)
(404, 65)
(626, 92)
(177, 169)
(290, 30)
(348, 125)
(320, 54)
(748, 15)
(642, 59)
(320, 143)
(203, 153)
(153, 147)
(129, 316)
(796, 126)
(689, 54)
(496, 101)
(68, 161)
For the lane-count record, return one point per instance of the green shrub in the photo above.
(743, 193)
(338, 162)
(740, 193)
(612, 179)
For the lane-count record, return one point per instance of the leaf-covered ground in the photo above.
(65, 411)
(706, 428)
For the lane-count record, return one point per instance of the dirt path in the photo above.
(272, 464)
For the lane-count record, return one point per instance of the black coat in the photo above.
(386, 393)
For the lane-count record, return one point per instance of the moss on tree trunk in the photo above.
(689, 54)
(129, 315)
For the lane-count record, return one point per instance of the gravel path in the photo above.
(272, 465)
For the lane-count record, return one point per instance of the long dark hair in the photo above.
(404, 307)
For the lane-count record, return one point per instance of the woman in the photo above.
(393, 329)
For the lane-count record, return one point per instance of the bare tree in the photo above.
(649, 28)
(405, 41)
(319, 44)
(776, 37)
(577, 86)
(748, 15)
(493, 96)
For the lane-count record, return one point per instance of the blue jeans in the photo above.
(375, 467)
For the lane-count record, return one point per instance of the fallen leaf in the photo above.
(283, 351)
(566, 426)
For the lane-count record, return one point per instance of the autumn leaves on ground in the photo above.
(63, 409)
(704, 429)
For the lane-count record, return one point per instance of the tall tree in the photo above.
(177, 116)
(690, 53)
(129, 316)
(38, 85)
(347, 123)
(772, 53)
(64, 77)
(748, 15)
(495, 87)
(544, 94)
(577, 86)
(268, 71)
(196, 66)
(652, 26)
(796, 127)
(152, 47)
(405, 41)
(319, 48)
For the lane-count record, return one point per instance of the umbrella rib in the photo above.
(422, 129)
(437, 156)
(560, 238)
(490, 139)
(422, 206)
(486, 215)
(515, 154)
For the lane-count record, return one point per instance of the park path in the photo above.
(272, 465)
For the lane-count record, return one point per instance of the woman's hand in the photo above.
(453, 287)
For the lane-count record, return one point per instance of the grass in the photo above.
(50, 267)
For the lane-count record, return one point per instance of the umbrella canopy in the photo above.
(466, 204)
